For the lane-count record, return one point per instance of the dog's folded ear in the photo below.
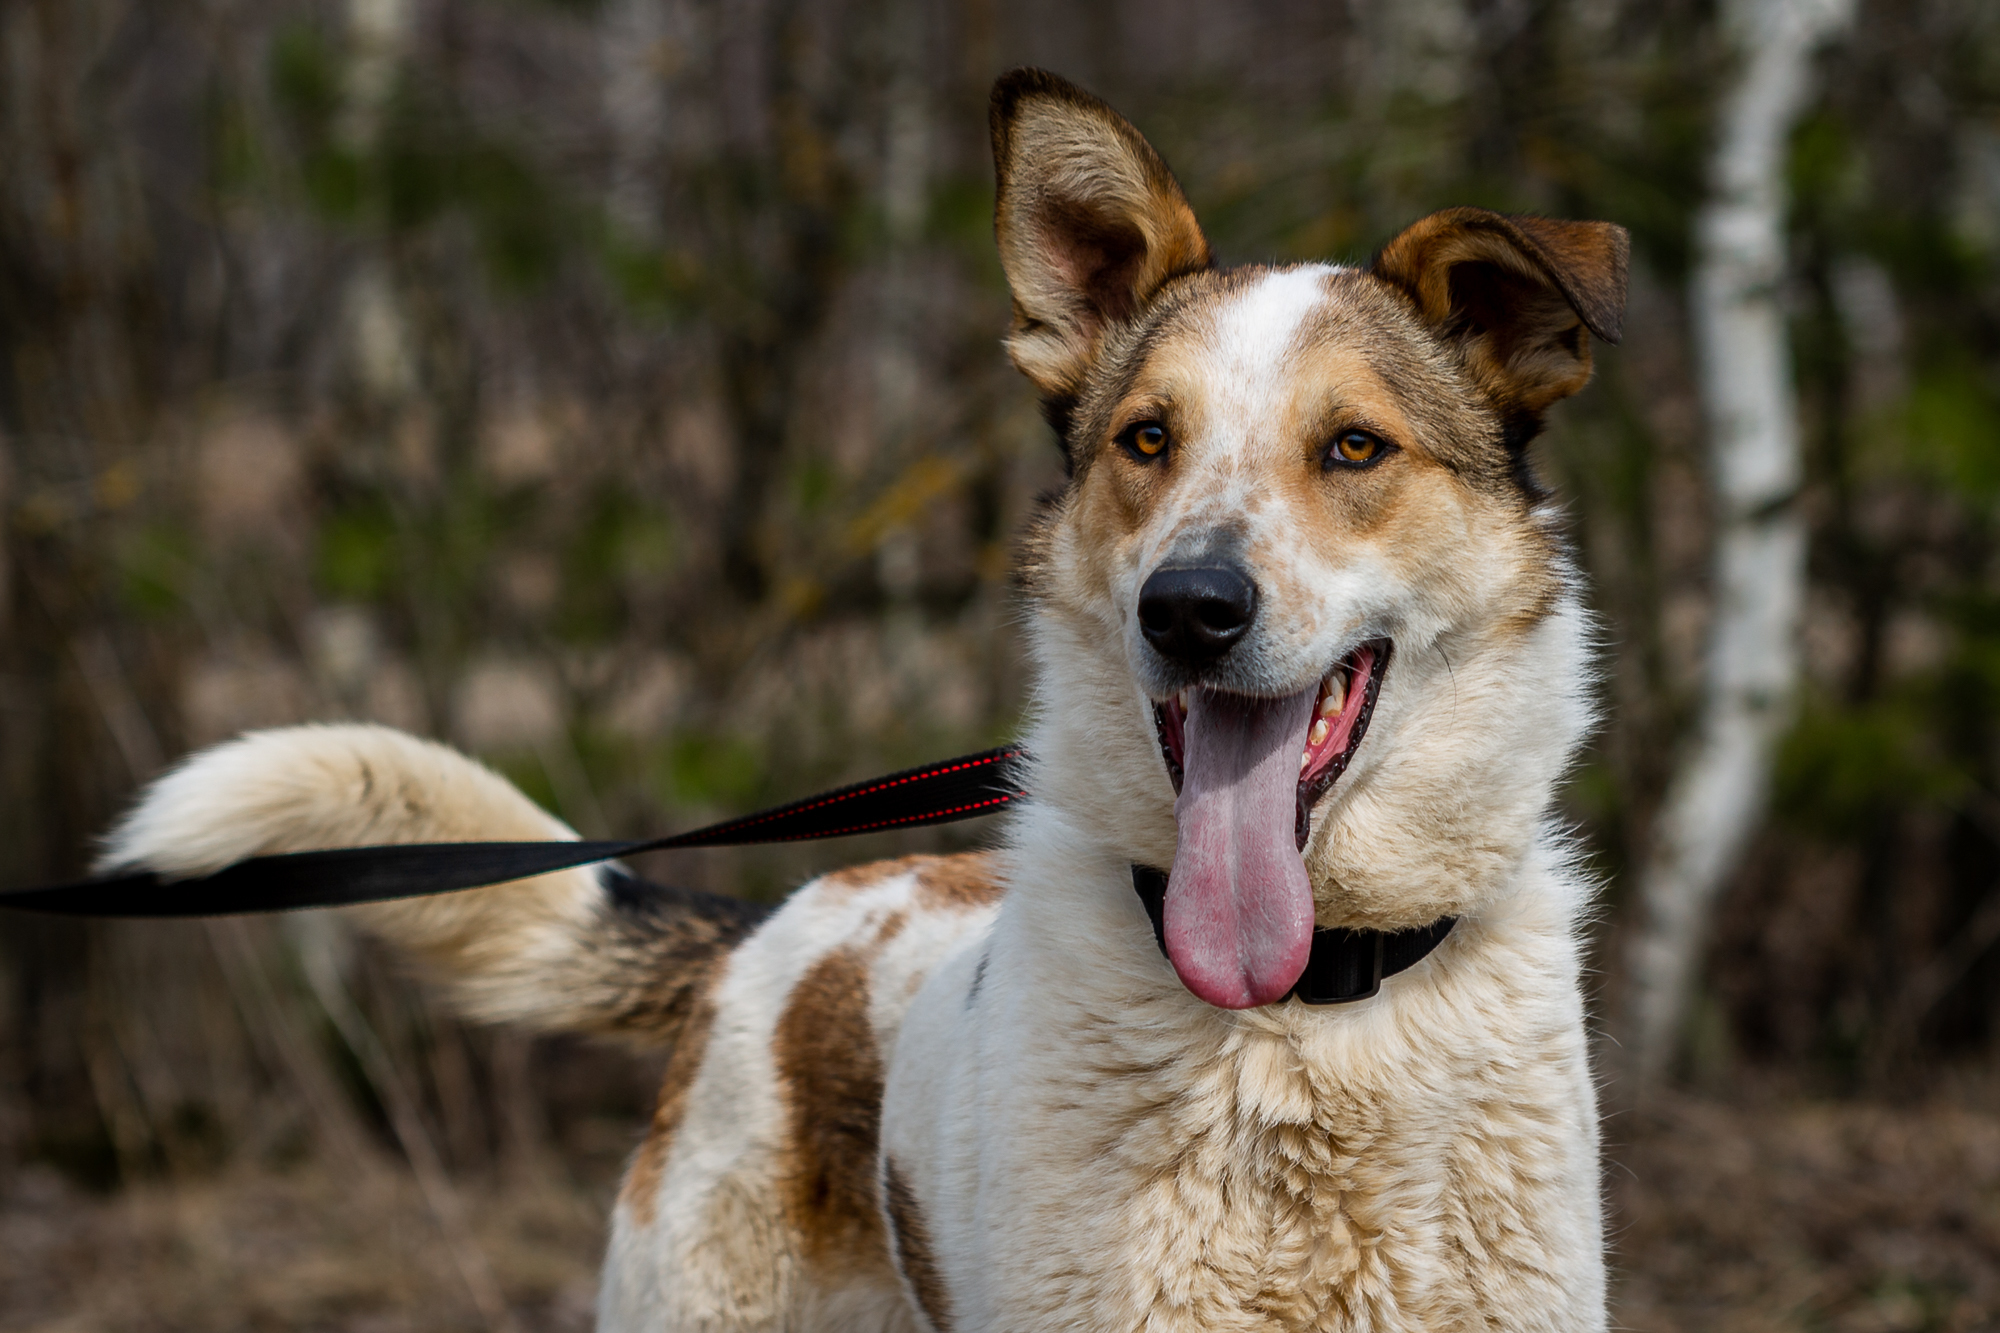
(1519, 296)
(1090, 222)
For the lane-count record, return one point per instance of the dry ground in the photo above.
(1848, 1217)
(308, 1250)
(1731, 1217)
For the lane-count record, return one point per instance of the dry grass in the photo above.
(313, 1249)
(1751, 1216)
(1787, 1215)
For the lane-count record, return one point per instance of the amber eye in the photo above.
(1355, 448)
(1148, 439)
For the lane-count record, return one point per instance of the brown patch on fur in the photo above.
(892, 926)
(640, 1191)
(867, 875)
(832, 1074)
(962, 880)
(913, 1248)
(967, 880)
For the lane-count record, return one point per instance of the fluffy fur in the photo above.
(968, 1093)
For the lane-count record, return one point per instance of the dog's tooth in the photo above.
(1305, 759)
(1318, 732)
(1335, 697)
(1181, 699)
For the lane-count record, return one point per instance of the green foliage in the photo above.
(1594, 792)
(357, 557)
(1837, 205)
(961, 217)
(704, 768)
(235, 149)
(1951, 421)
(1927, 256)
(647, 546)
(156, 566)
(305, 80)
(430, 170)
(1968, 692)
(526, 770)
(429, 163)
(653, 282)
(425, 162)
(1653, 192)
(1826, 171)
(1844, 772)
(813, 483)
(620, 545)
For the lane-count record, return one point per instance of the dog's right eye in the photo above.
(1355, 449)
(1145, 440)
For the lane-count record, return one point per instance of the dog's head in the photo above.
(1305, 626)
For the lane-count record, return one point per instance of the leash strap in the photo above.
(939, 793)
(1346, 965)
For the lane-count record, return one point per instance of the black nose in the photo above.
(1192, 616)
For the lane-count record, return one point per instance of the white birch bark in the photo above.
(635, 43)
(379, 33)
(1744, 371)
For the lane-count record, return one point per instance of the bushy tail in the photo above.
(590, 949)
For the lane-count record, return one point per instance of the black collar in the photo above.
(1346, 965)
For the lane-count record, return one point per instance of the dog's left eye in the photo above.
(1147, 439)
(1355, 448)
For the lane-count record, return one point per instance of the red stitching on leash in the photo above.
(869, 791)
(904, 819)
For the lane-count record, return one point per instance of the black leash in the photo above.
(1345, 964)
(939, 793)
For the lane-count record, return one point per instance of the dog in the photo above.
(1308, 640)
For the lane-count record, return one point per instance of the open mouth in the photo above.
(1238, 915)
(1339, 720)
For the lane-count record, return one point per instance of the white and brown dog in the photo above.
(985, 1092)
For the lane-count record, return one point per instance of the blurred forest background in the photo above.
(612, 387)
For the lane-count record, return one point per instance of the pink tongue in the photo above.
(1239, 910)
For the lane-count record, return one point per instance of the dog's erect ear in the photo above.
(1090, 222)
(1519, 295)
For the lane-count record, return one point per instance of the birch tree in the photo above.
(379, 36)
(1743, 368)
(635, 40)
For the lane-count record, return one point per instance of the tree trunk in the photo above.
(634, 39)
(1744, 372)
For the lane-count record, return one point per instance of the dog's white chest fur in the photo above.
(1098, 1152)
